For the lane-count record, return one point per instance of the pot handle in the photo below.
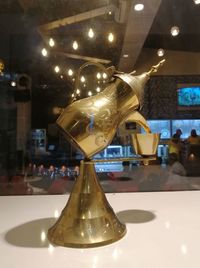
(77, 78)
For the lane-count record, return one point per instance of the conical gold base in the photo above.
(87, 220)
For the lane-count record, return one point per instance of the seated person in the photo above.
(193, 138)
(175, 145)
(179, 133)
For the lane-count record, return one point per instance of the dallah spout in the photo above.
(91, 123)
(137, 83)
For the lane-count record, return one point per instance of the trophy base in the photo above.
(87, 220)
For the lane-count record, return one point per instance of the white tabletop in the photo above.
(163, 231)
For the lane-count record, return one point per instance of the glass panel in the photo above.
(160, 126)
(44, 48)
(186, 126)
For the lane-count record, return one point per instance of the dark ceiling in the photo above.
(186, 15)
(21, 41)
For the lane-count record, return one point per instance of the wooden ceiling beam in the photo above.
(43, 29)
(137, 30)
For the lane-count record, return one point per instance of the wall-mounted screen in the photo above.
(188, 97)
(186, 126)
(160, 126)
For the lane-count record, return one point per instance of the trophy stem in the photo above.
(87, 220)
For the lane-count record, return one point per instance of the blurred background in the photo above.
(44, 43)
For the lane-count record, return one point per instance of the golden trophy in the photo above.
(90, 125)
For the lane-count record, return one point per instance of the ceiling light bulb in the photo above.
(13, 84)
(51, 42)
(57, 69)
(160, 52)
(44, 52)
(139, 7)
(98, 89)
(89, 93)
(61, 76)
(197, 2)
(70, 72)
(78, 91)
(104, 75)
(110, 37)
(82, 79)
(75, 45)
(91, 33)
(98, 75)
(175, 30)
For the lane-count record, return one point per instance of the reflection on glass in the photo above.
(56, 214)
(186, 126)
(50, 248)
(160, 126)
(43, 236)
(167, 224)
(184, 249)
(116, 253)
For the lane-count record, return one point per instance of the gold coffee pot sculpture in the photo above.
(90, 125)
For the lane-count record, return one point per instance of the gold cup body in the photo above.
(145, 144)
(91, 123)
(87, 220)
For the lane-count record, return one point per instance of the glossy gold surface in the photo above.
(87, 220)
(91, 123)
(145, 144)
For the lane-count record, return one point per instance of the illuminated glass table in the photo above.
(162, 231)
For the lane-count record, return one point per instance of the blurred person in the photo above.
(179, 133)
(77, 170)
(51, 172)
(177, 175)
(193, 138)
(63, 171)
(175, 145)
